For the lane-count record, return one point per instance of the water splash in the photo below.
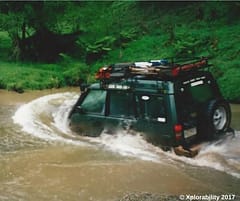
(47, 118)
(128, 144)
(222, 155)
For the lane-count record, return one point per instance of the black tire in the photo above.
(217, 118)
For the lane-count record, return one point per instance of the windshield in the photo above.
(94, 102)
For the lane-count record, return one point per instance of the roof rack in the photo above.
(154, 69)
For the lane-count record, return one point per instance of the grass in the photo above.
(18, 77)
(27, 76)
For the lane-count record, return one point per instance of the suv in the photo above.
(173, 104)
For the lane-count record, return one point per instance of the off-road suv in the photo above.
(173, 104)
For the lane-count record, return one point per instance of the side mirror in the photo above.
(80, 110)
(83, 86)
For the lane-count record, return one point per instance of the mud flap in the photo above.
(190, 153)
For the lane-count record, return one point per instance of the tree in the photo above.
(37, 29)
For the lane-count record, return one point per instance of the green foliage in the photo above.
(229, 83)
(5, 45)
(190, 43)
(99, 48)
(120, 31)
(104, 44)
(78, 73)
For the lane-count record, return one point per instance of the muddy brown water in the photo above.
(41, 159)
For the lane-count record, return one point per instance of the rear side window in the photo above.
(197, 93)
(190, 98)
(94, 102)
(151, 107)
(201, 93)
(121, 103)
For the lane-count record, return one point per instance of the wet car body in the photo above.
(171, 111)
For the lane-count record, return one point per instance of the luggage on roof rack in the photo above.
(153, 69)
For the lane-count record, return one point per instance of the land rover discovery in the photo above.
(172, 104)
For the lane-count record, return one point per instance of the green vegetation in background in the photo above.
(16, 77)
(21, 76)
(112, 32)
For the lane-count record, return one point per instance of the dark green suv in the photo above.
(172, 104)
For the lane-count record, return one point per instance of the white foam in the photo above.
(128, 144)
(222, 156)
(60, 116)
(28, 116)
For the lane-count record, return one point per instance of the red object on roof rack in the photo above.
(103, 73)
(149, 69)
(190, 66)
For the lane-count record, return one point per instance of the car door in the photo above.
(152, 116)
(120, 110)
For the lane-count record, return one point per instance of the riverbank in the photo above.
(13, 98)
(21, 77)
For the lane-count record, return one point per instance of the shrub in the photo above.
(229, 84)
(77, 73)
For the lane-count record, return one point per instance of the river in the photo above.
(41, 159)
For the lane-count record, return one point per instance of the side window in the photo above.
(191, 96)
(94, 102)
(150, 106)
(121, 103)
(201, 93)
(196, 92)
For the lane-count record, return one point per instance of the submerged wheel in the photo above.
(217, 118)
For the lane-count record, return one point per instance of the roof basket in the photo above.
(153, 69)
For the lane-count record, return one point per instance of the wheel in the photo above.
(217, 118)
